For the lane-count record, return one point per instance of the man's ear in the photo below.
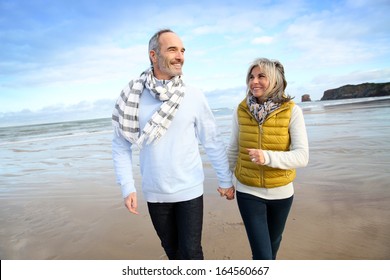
(153, 56)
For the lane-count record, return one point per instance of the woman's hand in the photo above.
(257, 156)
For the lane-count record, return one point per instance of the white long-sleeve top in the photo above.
(172, 168)
(298, 156)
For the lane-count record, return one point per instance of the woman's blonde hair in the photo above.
(274, 71)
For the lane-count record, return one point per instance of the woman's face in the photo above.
(258, 83)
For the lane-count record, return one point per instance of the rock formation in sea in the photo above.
(358, 91)
(305, 98)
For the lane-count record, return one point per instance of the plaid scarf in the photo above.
(125, 115)
(261, 111)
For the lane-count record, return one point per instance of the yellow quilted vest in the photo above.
(271, 135)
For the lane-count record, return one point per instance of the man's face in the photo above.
(168, 62)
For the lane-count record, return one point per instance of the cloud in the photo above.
(225, 98)
(355, 77)
(89, 64)
(262, 40)
(59, 113)
(102, 108)
(332, 37)
(70, 51)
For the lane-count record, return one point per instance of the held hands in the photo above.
(131, 203)
(257, 156)
(229, 193)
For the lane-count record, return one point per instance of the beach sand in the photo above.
(340, 211)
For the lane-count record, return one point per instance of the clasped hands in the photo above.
(132, 204)
(229, 193)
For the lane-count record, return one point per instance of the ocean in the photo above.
(49, 152)
(59, 198)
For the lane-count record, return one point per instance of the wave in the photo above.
(101, 126)
(221, 111)
(69, 135)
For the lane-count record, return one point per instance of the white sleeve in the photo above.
(122, 157)
(298, 156)
(208, 134)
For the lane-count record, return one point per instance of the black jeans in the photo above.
(264, 222)
(179, 227)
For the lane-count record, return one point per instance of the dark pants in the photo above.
(179, 226)
(264, 222)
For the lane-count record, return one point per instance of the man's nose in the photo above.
(179, 55)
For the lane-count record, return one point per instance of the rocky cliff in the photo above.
(357, 91)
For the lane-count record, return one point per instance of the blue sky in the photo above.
(77, 55)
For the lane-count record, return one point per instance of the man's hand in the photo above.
(229, 193)
(131, 203)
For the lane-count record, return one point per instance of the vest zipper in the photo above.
(261, 169)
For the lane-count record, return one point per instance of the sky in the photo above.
(76, 55)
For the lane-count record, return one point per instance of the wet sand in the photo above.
(323, 224)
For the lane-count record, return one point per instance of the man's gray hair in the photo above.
(154, 43)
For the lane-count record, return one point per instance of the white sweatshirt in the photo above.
(172, 168)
